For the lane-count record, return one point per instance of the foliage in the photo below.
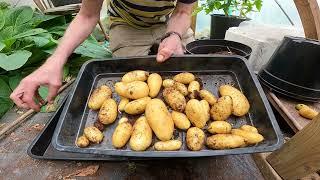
(27, 38)
(242, 6)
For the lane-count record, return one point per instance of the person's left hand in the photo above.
(169, 46)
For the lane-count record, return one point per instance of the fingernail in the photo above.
(160, 58)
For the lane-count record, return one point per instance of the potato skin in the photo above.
(249, 137)
(195, 139)
(121, 134)
(98, 96)
(175, 99)
(225, 141)
(82, 141)
(193, 89)
(137, 75)
(123, 102)
(240, 103)
(171, 145)
(159, 119)
(132, 90)
(108, 112)
(196, 113)
(168, 83)
(154, 83)
(249, 128)
(141, 137)
(181, 88)
(208, 96)
(137, 106)
(219, 127)
(306, 112)
(221, 110)
(206, 107)
(184, 78)
(180, 120)
(93, 134)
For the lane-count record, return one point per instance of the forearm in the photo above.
(180, 20)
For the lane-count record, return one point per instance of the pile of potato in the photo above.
(185, 106)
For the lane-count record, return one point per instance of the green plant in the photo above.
(27, 38)
(243, 7)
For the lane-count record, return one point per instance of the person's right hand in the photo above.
(26, 95)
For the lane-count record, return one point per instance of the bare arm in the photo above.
(50, 73)
(179, 22)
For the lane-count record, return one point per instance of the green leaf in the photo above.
(22, 28)
(19, 15)
(65, 71)
(15, 60)
(93, 50)
(30, 32)
(2, 45)
(2, 19)
(40, 40)
(58, 30)
(15, 80)
(258, 4)
(39, 18)
(5, 102)
(43, 91)
(51, 107)
(6, 33)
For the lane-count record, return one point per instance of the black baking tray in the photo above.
(212, 70)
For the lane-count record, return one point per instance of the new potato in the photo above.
(221, 110)
(240, 103)
(141, 137)
(195, 139)
(122, 133)
(108, 112)
(181, 88)
(208, 96)
(249, 137)
(171, 145)
(82, 141)
(184, 78)
(168, 83)
(206, 107)
(219, 127)
(225, 141)
(137, 106)
(175, 99)
(306, 112)
(122, 104)
(196, 113)
(180, 120)
(193, 89)
(137, 75)
(132, 90)
(98, 96)
(249, 128)
(159, 119)
(93, 134)
(154, 83)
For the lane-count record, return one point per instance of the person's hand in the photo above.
(169, 46)
(26, 95)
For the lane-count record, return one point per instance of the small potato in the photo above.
(159, 119)
(108, 112)
(180, 120)
(98, 96)
(137, 106)
(196, 113)
(132, 90)
(194, 89)
(306, 112)
(167, 83)
(181, 88)
(82, 142)
(184, 78)
(206, 107)
(93, 134)
(171, 145)
(249, 128)
(195, 139)
(208, 96)
(240, 103)
(141, 137)
(137, 75)
(175, 99)
(219, 127)
(154, 83)
(225, 141)
(123, 102)
(221, 110)
(122, 133)
(249, 137)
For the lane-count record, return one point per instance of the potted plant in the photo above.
(235, 12)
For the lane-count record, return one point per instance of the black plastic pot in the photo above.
(64, 2)
(219, 46)
(293, 70)
(221, 23)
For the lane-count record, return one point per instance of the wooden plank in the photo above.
(301, 155)
(266, 170)
(310, 17)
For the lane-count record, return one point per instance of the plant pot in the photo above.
(293, 70)
(57, 3)
(221, 23)
(219, 46)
